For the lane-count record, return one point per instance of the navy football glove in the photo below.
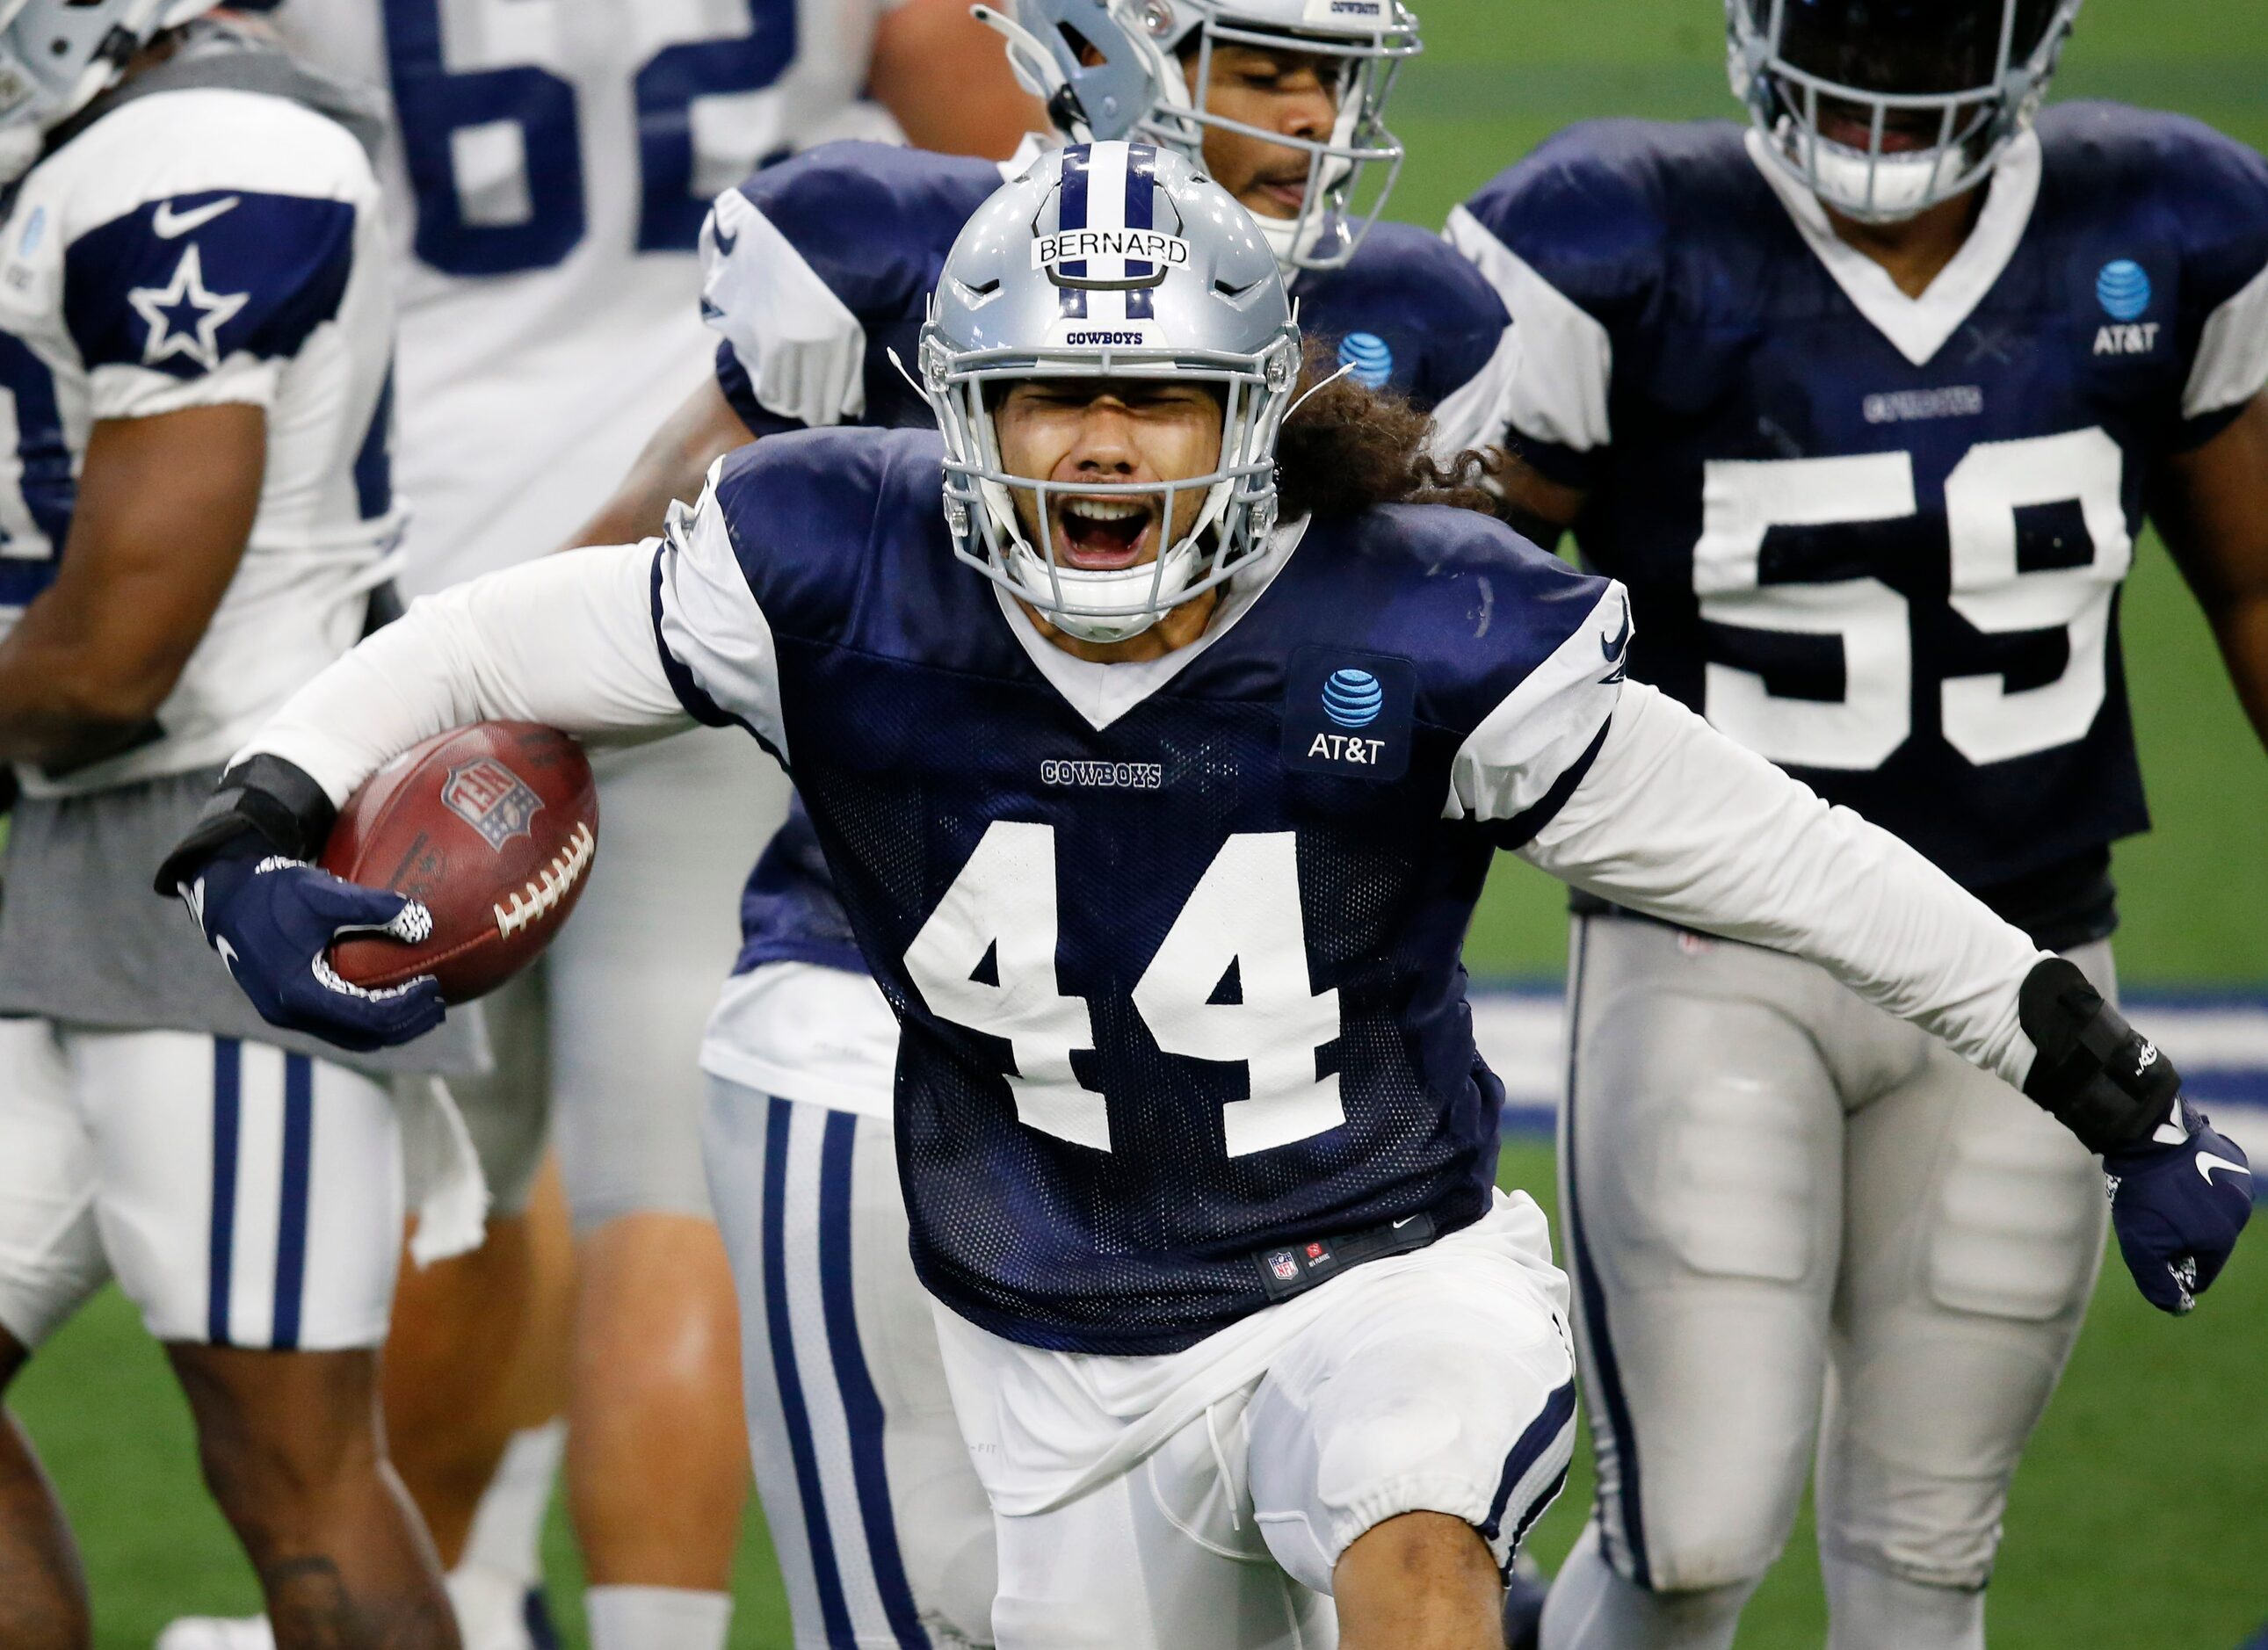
(2178, 1203)
(2180, 1193)
(272, 917)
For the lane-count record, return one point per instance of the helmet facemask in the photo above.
(1115, 69)
(1349, 173)
(1208, 525)
(1883, 108)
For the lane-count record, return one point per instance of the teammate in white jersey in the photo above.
(195, 335)
(550, 169)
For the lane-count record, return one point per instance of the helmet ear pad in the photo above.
(58, 55)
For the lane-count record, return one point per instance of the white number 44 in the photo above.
(1244, 912)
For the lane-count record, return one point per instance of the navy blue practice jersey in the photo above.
(818, 268)
(1174, 945)
(1880, 539)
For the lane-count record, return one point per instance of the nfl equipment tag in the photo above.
(1347, 714)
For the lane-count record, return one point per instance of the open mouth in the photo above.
(1100, 535)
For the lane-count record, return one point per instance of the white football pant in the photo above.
(1799, 1228)
(241, 1196)
(1440, 1380)
(882, 1530)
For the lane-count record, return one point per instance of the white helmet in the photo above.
(1978, 68)
(57, 56)
(1110, 260)
(1137, 89)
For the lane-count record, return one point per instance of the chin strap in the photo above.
(2094, 1074)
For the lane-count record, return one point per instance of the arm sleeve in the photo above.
(790, 353)
(567, 640)
(2224, 283)
(1674, 819)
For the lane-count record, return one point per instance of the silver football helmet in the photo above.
(1885, 108)
(56, 55)
(1112, 69)
(1110, 260)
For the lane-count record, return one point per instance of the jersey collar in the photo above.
(1103, 693)
(1918, 327)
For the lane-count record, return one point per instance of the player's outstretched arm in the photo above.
(165, 505)
(2213, 509)
(1674, 819)
(566, 640)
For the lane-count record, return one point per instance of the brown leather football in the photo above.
(493, 827)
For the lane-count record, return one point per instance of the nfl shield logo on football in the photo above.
(1283, 1263)
(492, 800)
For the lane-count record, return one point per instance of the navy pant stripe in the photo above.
(861, 1407)
(828, 1577)
(227, 1106)
(1548, 1426)
(292, 1213)
(1619, 1432)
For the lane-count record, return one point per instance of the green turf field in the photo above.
(2137, 1521)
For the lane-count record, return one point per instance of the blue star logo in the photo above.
(183, 318)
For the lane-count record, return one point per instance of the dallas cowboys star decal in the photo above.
(183, 318)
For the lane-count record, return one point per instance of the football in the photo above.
(493, 827)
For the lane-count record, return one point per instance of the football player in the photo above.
(818, 273)
(550, 171)
(196, 327)
(1160, 772)
(1865, 403)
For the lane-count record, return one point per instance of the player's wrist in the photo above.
(2094, 1073)
(262, 806)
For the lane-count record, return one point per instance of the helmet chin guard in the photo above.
(1109, 260)
(1113, 68)
(1925, 95)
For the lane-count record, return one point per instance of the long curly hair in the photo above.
(1347, 448)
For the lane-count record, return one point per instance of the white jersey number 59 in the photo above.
(999, 919)
(1982, 718)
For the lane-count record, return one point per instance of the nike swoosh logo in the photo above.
(725, 242)
(1404, 1221)
(2206, 1162)
(171, 224)
(1614, 650)
(227, 954)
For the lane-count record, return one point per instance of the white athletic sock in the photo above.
(507, 1535)
(657, 1618)
(1591, 1607)
(1868, 1610)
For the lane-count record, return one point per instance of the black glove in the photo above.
(2180, 1193)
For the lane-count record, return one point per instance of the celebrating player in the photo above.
(1865, 405)
(195, 330)
(819, 270)
(551, 169)
(1161, 838)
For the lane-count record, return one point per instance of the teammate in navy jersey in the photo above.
(818, 273)
(1162, 836)
(1865, 405)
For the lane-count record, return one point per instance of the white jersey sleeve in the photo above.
(1673, 818)
(800, 346)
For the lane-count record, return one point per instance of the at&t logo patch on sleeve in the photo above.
(1347, 714)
